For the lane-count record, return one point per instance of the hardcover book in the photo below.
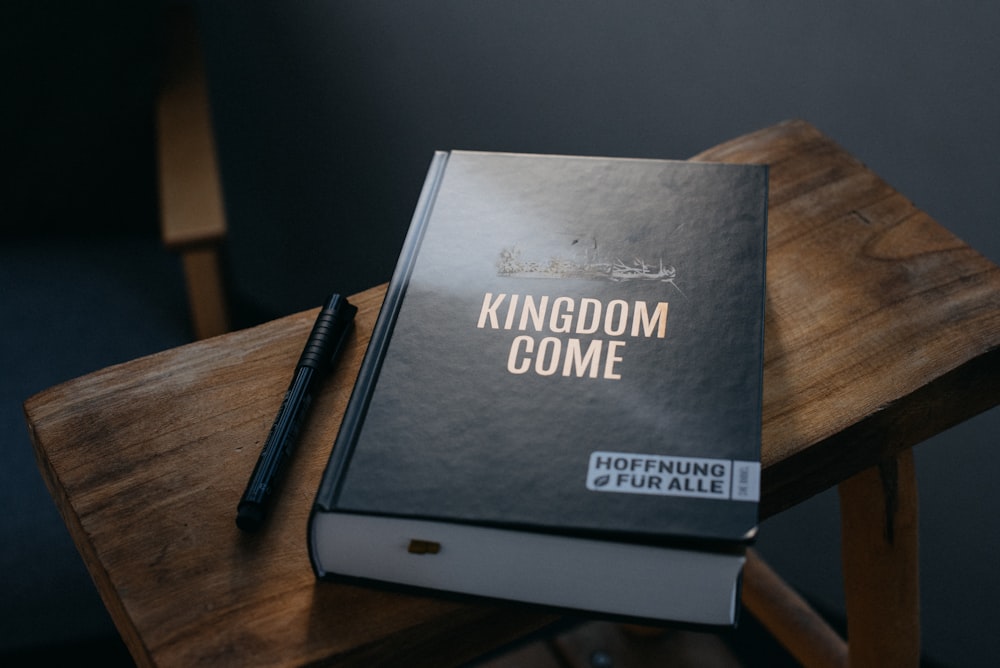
(561, 400)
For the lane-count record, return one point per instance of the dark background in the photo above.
(326, 116)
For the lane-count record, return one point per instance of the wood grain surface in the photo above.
(882, 329)
(147, 461)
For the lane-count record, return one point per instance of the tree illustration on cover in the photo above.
(580, 256)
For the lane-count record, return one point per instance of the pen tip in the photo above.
(249, 517)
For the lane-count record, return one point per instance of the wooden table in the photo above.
(882, 329)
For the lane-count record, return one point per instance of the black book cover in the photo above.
(569, 347)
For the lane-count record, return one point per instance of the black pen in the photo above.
(321, 351)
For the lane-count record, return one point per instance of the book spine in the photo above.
(357, 406)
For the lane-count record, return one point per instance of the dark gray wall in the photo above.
(328, 111)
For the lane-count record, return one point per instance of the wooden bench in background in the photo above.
(192, 211)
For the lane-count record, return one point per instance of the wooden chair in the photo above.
(192, 213)
(882, 329)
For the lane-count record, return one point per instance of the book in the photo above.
(560, 404)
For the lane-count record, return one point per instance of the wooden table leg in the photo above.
(206, 294)
(878, 510)
(789, 618)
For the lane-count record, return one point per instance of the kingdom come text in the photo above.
(593, 332)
